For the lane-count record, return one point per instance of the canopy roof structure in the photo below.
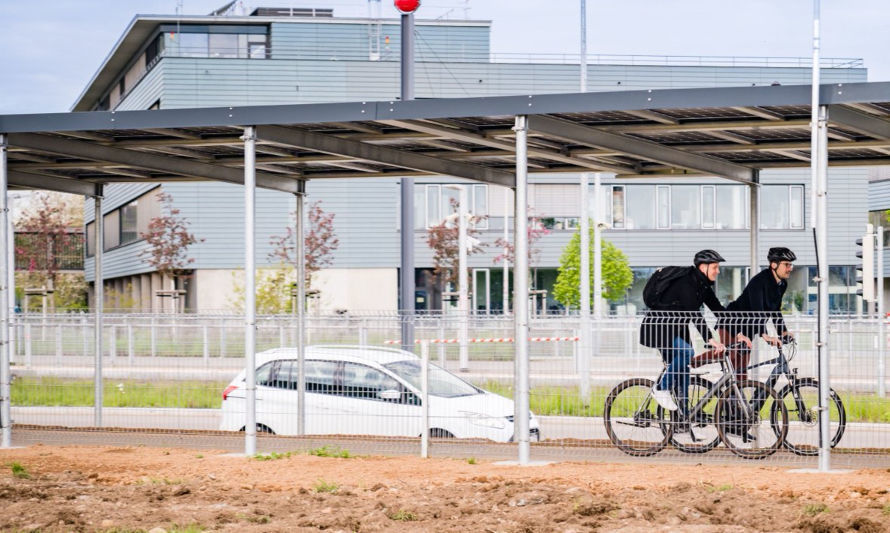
(726, 132)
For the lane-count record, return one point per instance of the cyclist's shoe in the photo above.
(739, 430)
(664, 398)
(644, 419)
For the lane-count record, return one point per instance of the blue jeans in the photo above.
(676, 375)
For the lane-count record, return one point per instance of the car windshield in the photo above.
(442, 382)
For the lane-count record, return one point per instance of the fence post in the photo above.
(442, 346)
(112, 348)
(206, 339)
(282, 341)
(425, 397)
(28, 345)
(222, 339)
(362, 333)
(59, 342)
(154, 336)
(85, 336)
(131, 349)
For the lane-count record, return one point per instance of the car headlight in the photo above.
(479, 419)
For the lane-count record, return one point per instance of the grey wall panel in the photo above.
(878, 195)
(146, 92)
(114, 196)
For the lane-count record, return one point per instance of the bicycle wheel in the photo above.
(802, 403)
(634, 422)
(753, 422)
(699, 435)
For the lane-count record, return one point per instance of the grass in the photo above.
(19, 471)
(812, 509)
(324, 486)
(273, 456)
(325, 451)
(471, 461)
(403, 516)
(545, 400)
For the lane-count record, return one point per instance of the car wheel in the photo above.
(261, 428)
(439, 433)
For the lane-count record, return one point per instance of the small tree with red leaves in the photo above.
(168, 240)
(320, 241)
(443, 240)
(535, 231)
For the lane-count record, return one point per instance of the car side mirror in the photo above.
(389, 394)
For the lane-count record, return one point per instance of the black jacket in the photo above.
(759, 302)
(687, 294)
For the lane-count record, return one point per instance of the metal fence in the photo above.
(171, 372)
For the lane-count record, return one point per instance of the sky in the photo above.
(52, 48)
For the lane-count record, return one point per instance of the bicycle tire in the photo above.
(803, 429)
(704, 428)
(735, 429)
(633, 420)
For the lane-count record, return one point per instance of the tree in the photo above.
(320, 241)
(617, 275)
(535, 231)
(443, 240)
(168, 240)
(46, 238)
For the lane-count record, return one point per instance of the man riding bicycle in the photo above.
(760, 302)
(666, 326)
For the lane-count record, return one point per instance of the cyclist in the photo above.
(760, 302)
(666, 326)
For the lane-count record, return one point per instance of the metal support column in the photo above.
(406, 272)
(300, 259)
(463, 281)
(250, 286)
(823, 341)
(98, 305)
(584, 352)
(882, 339)
(754, 246)
(520, 292)
(5, 396)
(597, 249)
(506, 284)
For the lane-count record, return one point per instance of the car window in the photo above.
(442, 382)
(361, 381)
(264, 373)
(282, 377)
(320, 376)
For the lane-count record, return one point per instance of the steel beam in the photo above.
(577, 133)
(176, 165)
(388, 156)
(859, 122)
(51, 183)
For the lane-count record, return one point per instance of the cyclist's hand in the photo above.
(719, 348)
(788, 338)
(772, 341)
(741, 337)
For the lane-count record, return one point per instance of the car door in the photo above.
(375, 403)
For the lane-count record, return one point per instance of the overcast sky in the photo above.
(51, 48)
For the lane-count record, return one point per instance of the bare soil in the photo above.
(121, 489)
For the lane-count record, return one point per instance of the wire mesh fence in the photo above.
(186, 373)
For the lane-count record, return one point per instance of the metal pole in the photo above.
(597, 249)
(520, 291)
(250, 286)
(506, 288)
(822, 237)
(301, 314)
(425, 398)
(5, 244)
(406, 272)
(98, 307)
(754, 235)
(583, 61)
(463, 280)
(882, 340)
(10, 249)
(584, 355)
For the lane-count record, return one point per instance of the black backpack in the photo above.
(659, 282)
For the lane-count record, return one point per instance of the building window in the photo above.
(434, 202)
(640, 207)
(128, 221)
(685, 202)
(732, 207)
(880, 219)
(618, 207)
(707, 206)
(664, 207)
(191, 44)
(90, 233)
(781, 207)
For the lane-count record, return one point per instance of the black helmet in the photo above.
(778, 254)
(707, 256)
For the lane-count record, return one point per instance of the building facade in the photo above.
(267, 58)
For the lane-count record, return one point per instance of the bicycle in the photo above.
(800, 396)
(736, 409)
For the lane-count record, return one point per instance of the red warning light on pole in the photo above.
(407, 6)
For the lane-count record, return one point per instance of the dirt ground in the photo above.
(124, 489)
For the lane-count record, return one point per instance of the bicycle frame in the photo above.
(780, 369)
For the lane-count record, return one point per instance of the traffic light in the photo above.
(865, 272)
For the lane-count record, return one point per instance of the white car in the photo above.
(365, 390)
